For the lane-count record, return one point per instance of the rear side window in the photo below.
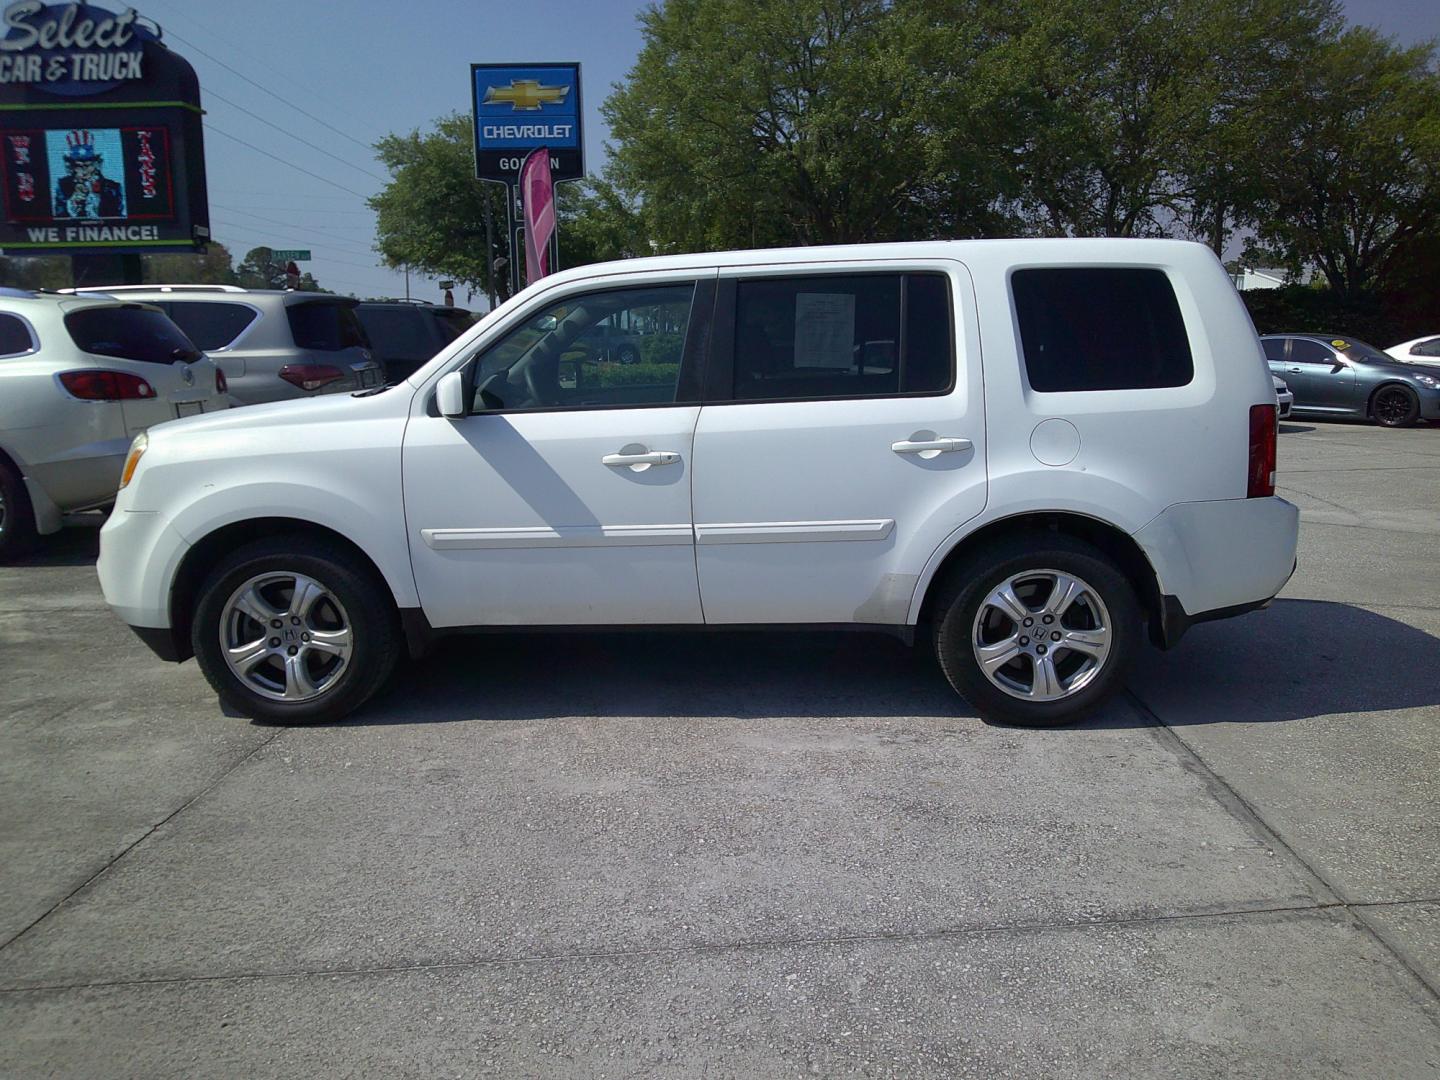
(14, 336)
(210, 324)
(398, 333)
(1274, 350)
(129, 333)
(325, 327)
(1100, 329)
(843, 336)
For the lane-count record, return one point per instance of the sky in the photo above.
(310, 86)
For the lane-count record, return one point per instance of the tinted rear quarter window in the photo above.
(129, 333)
(398, 333)
(14, 336)
(1100, 329)
(842, 335)
(325, 327)
(210, 324)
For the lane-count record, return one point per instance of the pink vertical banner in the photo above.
(537, 195)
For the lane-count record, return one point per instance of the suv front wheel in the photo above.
(294, 631)
(1038, 633)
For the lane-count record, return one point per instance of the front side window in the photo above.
(14, 336)
(843, 336)
(1084, 328)
(325, 327)
(621, 347)
(1427, 348)
(130, 333)
(210, 324)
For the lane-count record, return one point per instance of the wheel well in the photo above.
(1115, 543)
(210, 549)
(1370, 401)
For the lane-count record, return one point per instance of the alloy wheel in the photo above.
(1041, 635)
(285, 636)
(1392, 406)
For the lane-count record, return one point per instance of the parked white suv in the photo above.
(1028, 450)
(79, 379)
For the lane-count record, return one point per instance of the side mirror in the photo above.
(547, 323)
(450, 395)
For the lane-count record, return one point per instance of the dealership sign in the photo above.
(73, 48)
(101, 147)
(519, 108)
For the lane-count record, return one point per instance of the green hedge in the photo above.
(609, 375)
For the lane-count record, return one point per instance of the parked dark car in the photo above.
(407, 333)
(1335, 375)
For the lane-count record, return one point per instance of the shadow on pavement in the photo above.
(1299, 658)
(77, 544)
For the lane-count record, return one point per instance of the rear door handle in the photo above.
(945, 446)
(655, 457)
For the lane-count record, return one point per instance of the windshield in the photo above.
(1362, 353)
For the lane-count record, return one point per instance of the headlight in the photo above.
(1427, 380)
(132, 459)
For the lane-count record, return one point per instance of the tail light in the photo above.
(310, 376)
(95, 385)
(221, 385)
(1262, 452)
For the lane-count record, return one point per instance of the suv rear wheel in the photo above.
(17, 521)
(1037, 633)
(294, 631)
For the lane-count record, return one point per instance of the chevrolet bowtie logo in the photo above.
(525, 95)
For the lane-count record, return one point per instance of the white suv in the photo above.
(1030, 451)
(79, 379)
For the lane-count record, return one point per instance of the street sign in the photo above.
(290, 254)
(522, 107)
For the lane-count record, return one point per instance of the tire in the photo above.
(352, 613)
(17, 517)
(966, 620)
(1395, 406)
(627, 354)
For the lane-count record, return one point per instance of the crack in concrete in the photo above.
(700, 948)
(219, 778)
(1252, 817)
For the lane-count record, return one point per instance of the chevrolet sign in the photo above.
(521, 107)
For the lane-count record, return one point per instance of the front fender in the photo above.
(377, 530)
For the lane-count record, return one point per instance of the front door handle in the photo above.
(944, 446)
(1298, 371)
(656, 457)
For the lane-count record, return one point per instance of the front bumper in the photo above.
(139, 556)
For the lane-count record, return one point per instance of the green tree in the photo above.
(1114, 118)
(36, 272)
(431, 216)
(214, 267)
(1348, 160)
(755, 122)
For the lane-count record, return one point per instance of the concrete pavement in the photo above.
(747, 854)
